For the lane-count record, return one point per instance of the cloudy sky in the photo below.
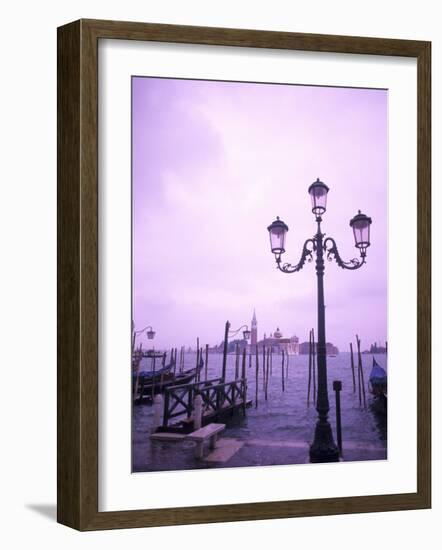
(213, 164)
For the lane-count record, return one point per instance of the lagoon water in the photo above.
(280, 429)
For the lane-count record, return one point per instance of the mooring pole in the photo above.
(256, 376)
(360, 373)
(207, 362)
(243, 381)
(310, 348)
(337, 387)
(153, 378)
(226, 337)
(352, 367)
(264, 367)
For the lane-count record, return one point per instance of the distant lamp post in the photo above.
(150, 333)
(323, 448)
(246, 332)
(232, 333)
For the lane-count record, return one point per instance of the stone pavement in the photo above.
(232, 452)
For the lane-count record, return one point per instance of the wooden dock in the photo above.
(218, 400)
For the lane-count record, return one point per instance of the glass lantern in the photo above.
(361, 230)
(318, 193)
(277, 230)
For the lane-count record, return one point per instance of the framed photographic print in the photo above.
(243, 274)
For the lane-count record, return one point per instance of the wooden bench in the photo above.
(209, 432)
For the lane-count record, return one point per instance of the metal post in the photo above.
(337, 387)
(323, 448)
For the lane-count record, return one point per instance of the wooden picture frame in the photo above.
(78, 274)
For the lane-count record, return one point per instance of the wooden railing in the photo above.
(216, 396)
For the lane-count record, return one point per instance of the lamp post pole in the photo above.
(323, 448)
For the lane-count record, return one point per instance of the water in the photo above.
(280, 429)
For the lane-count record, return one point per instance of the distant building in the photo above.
(304, 348)
(276, 341)
(375, 348)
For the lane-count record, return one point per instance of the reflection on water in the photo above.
(280, 429)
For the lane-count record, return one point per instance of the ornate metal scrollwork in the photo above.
(332, 252)
(307, 256)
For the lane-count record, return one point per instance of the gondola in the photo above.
(378, 388)
(150, 383)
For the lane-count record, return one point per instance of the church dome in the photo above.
(277, 333)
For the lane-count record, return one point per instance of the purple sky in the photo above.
(213, 164)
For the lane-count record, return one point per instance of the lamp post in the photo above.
(150, 333)
(323, 448)
(246, 332)
(136, 357)
(227, 332)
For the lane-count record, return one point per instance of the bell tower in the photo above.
(254, 335)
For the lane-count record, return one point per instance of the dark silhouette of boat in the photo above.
(153, 382)
(378, 388)
(156, 374)
(150, 353)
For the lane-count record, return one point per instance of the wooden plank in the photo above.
(69, 414)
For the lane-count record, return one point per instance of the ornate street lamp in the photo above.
(323, 448)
